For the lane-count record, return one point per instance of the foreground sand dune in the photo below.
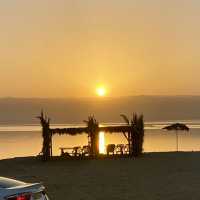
(155, 176)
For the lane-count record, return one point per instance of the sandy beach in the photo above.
(154, 176)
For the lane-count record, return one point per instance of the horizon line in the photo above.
(100, 98)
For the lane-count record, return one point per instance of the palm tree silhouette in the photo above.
(136, 135)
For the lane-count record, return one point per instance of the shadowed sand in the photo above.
(154, 176)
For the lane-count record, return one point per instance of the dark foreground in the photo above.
(155, 176)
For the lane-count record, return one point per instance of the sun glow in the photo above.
(101, 91)
(102, 143)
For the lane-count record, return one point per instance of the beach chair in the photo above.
(85, 150)
(76, 151)
(120, 149)
(126, 149)
(110, 149)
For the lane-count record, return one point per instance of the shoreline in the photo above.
(101, 157)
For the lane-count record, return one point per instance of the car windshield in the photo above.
(8, 183)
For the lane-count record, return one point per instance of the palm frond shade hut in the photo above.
(177, 127)
(135, 130)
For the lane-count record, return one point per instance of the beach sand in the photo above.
(155, 176)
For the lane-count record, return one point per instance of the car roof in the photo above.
(9, 183)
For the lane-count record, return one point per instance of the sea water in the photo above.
(26, 140)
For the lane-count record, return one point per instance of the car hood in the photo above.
(35, 187)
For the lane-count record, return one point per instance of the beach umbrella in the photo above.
(177, 127)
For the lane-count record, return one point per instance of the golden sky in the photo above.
(65, 48)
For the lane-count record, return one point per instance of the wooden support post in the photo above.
(93, 136)
(47, 137)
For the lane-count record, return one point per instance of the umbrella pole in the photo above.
(177, 141)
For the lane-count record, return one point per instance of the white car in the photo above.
(16, 190)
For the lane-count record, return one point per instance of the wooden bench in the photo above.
(75, 151)
(70, 151)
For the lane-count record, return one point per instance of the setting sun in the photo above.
(101, 91)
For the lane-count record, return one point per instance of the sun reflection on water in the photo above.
(102, 143)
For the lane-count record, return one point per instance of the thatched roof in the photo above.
(81, 130)
(69, 131)
(115, 129)
(177, 127)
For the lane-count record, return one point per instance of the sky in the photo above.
(65, 48)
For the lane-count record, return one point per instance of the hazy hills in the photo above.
(154, 108)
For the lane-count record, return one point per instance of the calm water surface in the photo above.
(17, 141)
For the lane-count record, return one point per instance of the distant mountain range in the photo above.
(154, 108)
